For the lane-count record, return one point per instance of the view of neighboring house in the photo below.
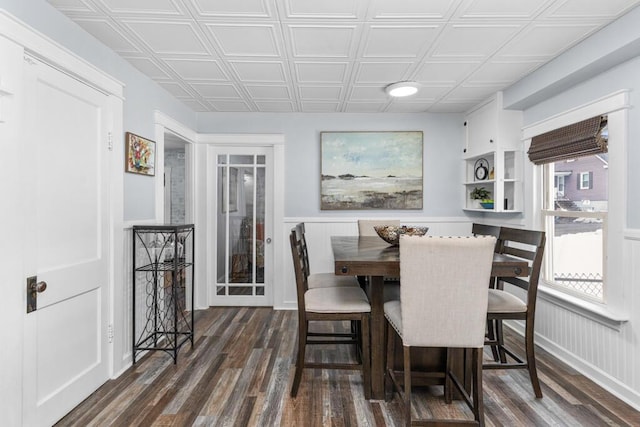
(581, 184)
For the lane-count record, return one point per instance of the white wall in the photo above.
(443, 143)
(605, 351)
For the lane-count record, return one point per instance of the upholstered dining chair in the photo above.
(328, 304)
(443, 303)
(504, 305)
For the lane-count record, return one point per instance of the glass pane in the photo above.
(260, 290)
(260, 214)
(241, 290)
(261, 160)
(241, 160)
(577, 255)
(221, 238)
(222, 159)
(582, 184)
(221, 290)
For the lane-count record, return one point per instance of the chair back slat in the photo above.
(302, 285)
(299, 229)
(529, 245)
(519, 252)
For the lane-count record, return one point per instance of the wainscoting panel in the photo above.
(609, 356)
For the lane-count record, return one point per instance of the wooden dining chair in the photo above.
(504, 305)
(443, 303)
(328, 304)
(478, 229)
(320, 280)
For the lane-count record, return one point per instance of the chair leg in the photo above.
(302, 343)
(531, 359)
(448, 392)
(491, 334)
(478, 400)
(390, 362)
(407, 385)
(365, 357)
(500, 339)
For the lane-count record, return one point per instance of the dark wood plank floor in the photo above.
(240, 370)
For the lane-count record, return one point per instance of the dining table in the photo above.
(372, 257)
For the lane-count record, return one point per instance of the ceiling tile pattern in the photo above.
(338, 55)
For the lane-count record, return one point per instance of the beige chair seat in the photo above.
(326, 280)
(393, 313)
(336, 300)
(504, 302)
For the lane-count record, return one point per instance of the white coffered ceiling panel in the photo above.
(322, 41)
(245, 40)
(338, 55)
(148, 67)
(197, 69)
(142, 7)
(398, 41)
(168, 37)
(233, 8)
(325, 93)
(106, 32)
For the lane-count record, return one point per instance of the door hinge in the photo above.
(110, 141)
(110, 333)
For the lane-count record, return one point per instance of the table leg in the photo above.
(376, 296)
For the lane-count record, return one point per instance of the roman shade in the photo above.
(576, 140)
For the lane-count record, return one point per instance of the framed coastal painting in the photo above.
(140, 155)
(371, 170)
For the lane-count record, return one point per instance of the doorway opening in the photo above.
(175, 179)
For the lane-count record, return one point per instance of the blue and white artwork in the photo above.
(371, 170)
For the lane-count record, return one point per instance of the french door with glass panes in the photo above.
(241, 183)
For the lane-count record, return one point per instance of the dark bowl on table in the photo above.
(391, 233)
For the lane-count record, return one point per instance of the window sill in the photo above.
(597, 312)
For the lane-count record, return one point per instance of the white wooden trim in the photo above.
(616, 101)
(175, 127)
(57, 55)
(248, 139)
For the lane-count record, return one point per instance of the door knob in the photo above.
(39, 287)
(268, 240)
(33, 289)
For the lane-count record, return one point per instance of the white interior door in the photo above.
(67, 242)
(241, 220)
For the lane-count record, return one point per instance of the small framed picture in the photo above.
(140, 155)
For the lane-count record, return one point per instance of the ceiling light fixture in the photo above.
(400, 89)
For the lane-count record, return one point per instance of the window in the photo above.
(575, 226)
(585, 180)
(574, 211)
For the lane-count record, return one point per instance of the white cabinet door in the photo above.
(482, 129)
(66, 166)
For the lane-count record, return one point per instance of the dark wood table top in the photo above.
(372, 256)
